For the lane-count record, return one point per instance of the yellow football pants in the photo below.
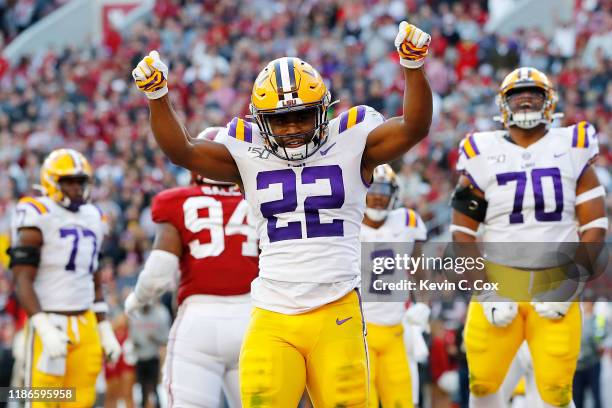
(323, 350)
(390, 382)
(554, 347)
(82, 365)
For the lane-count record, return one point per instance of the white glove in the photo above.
(151, 76)
(551, 310)
(110, 345)
(132, 305)
(500, 314)
(418, 315)
(412, 45)
(55, 342)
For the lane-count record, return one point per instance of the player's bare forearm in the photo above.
(169, 133)
(209, 159)
(24, 288)
(418, 106)
(397, 135)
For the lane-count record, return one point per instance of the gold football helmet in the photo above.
(290, 85)
(64, 163)
(384, 182)
(521, 78)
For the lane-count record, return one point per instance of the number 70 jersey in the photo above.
(219, 244)
(531, 192)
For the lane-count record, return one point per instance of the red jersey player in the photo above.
(203, 231)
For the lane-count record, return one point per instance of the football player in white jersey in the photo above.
(400, 229)
(527, 183)
(305, 178)
(54, 260)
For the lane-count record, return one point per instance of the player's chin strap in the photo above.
(157, 276)
(100, 307)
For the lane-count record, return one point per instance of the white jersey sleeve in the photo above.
(472, 162)
(30, 212)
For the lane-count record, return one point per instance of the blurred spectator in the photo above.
(120, 377)
(588, 369)
(148, 332)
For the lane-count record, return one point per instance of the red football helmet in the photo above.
(209, 133)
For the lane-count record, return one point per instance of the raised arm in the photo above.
(397, 135)
(206, 158)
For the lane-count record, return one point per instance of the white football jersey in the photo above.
(308, 214)
(69, 255)
(531, 192)
(402, 226)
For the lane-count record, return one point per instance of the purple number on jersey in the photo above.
(288, 203)
(521, 178)
(312, 205)
(516, 217)
(74, 233)
(536, 178)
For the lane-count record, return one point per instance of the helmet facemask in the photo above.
(279, 143)
(383, 188)
(73, 204)
(516, 85)
(66, 165)
(288, 86)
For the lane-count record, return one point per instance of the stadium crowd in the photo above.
(85, 99)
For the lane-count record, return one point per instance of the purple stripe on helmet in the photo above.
(248, 131)
(343, 121)
(232, 129)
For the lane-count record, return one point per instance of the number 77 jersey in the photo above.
(219, 244)
(531, 192)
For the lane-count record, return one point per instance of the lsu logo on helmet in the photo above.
(64, 163)
(526, 77)
(289, 85)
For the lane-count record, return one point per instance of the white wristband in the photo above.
(591, 194)
(598, 223)
(100, 307)
(465, 230)
(412, 64)
(157, 94)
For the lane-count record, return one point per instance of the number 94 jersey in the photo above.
(219, 244)
(69, 254)
(531, 192)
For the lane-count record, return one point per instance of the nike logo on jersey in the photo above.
(339, 322)
(324, 152)
(559, 155)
